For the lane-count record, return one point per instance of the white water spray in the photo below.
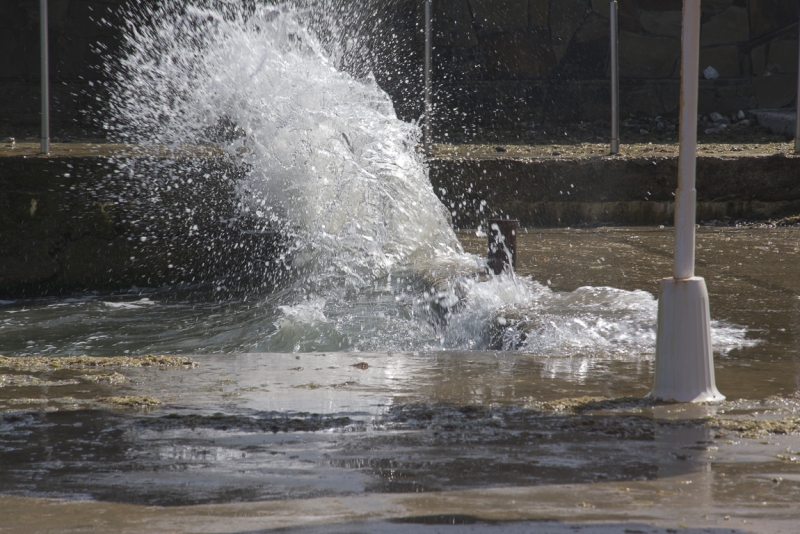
(374, 263)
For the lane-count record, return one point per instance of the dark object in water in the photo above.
(502, 244)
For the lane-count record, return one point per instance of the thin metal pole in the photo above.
(797, 102)
(45, 77)
(686, 195)
(426, 127)
(614, 79)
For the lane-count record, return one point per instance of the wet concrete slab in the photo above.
(468, 441)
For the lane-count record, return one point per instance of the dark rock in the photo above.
(539, 13)
(769, 15)
(642, 56)
(644, 102)
(564, 104)
(717, 5)
(565, 18)
(594, 28)
(783, 55)
(670, 97)
(774, 92)
(730, 26)
(519, 54)
(725, 59)
(498, 15)
(758, 60)
(664, 23)
(706, 100)
(453, 24)
(732, 104)
(660, 5)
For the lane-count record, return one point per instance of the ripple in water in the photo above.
(372, 263)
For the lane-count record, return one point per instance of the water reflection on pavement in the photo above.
(432, 442)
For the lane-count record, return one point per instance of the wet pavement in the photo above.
(463, 441)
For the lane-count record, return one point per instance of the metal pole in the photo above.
(426, 127)
(684, 365)
(686, 195)
(45, 77)
(797, 102)
(614, 79)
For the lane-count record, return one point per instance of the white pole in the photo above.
(614, 78)
(684, 369)
(426, 127)
(797, 101)
(45, 77)
(686, 195)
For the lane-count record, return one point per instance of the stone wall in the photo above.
(499, 64)
(77, 34)
(546, 61)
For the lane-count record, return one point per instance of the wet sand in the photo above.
(438, 442)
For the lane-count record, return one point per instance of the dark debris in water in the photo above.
(264, 422)
(131, 401)
(49, 363)
(629, 417)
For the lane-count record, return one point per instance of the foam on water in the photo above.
(374, 263)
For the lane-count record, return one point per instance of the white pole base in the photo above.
(684, 357)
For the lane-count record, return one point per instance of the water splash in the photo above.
(371, 262)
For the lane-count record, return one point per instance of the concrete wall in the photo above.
(499, 64)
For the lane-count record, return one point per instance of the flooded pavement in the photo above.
(430, 441)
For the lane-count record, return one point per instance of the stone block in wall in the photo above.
(644, 56)
(777, 91)
(758, 60)
(769, 15)
(706, 100)
(19, 102)
(729, 27)
(665, 23)
(519, 103)
(726, 91)
(782, 56)
(596, 102)
(745, 89)
(12, 61)
(478, 101)
(626, 12)
(660, 5)
(499, 15)
(539, 13)
(85, 19)
(454, 63)
(644, 102)
(594, 28)
(452, 24)
(671, 98)
(58, 13)
(732, 105)
(29, 52)
(717, 5)
(564, 104)
(13, 16)
(588, 53)
(565, 18)
(525, 54)
(725, 59)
